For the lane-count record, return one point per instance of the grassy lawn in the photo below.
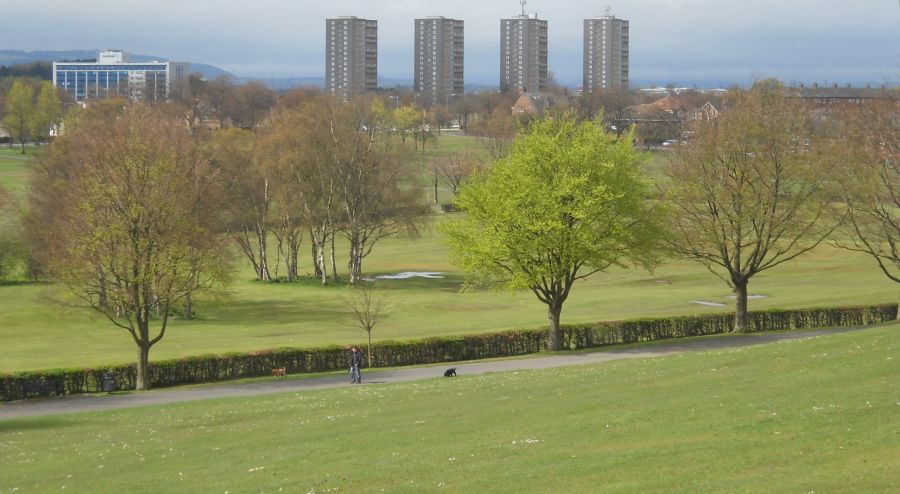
(814, 415)
(14, 169)
(38, 332)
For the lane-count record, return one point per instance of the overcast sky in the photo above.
(671, 40)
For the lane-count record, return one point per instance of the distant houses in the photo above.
(529, 104)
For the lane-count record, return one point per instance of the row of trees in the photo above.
(319, 169)
(134, 212)
(762, 185)
(132, 207)
(31, 114)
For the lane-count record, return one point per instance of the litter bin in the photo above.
(108, 382)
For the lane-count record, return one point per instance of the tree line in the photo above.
(135, 207)
(765, 183)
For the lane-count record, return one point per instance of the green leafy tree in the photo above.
(566, 203)
(136, 205)
(47, 112)
(407, 121)
(20, 112)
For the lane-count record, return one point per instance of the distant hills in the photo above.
(16, 57)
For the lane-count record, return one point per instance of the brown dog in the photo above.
(278, 372)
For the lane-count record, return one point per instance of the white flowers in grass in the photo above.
(527, 441)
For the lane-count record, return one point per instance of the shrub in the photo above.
(210, 368)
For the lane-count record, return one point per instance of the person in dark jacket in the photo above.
(355, 360)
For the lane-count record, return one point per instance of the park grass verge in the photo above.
(817, 414)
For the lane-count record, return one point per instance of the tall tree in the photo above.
(613, 105)
(406, 121)
(566, 203)
(20, 112)
(47, 112)
(373, 185)
(495, 131)
(750, 192)
(247, 182)
(248, 104)
(132, 234)
(869, 182)
(453, 171)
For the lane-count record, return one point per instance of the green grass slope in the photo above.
(814, 415)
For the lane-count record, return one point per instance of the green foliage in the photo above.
(208, 368)
(566, 203)
(47, 112)
(568, 196)
(19, 111)
(406, 120)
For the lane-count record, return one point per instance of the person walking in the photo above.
(355, 359)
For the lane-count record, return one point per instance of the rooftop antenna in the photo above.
(608, 11)
(523, 2)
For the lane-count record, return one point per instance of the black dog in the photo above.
(450, 372)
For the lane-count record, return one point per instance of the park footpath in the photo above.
(114, 401)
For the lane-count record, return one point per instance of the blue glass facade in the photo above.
(136, 81)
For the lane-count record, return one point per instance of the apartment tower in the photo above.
(351, 56)
(439, 59)
(523, 53)
(605, 53)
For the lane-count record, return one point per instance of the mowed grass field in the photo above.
(14, 169)
(39, 331)
(814, 415)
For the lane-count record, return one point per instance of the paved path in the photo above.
(97, 402)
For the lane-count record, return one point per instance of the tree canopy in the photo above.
(566, 203)
(751, 191)
(128, 208)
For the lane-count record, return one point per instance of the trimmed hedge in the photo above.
(209, 368)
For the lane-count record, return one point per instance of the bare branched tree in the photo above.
(367, 308)
(751, 191)
(870, 182)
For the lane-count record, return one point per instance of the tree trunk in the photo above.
(369, 349)
(262, 248)
(355, 262)
(313, 246)
(740, 307)
(188, 307)
(334, 275)
(435, 189)
(142, 382)
(293, 254)
(554, 338)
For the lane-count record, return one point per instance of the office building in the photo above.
(523, 53)
(439, 59)
(605, 53)
(114, 75)
(351, 56)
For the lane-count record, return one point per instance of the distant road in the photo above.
(99, 402)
